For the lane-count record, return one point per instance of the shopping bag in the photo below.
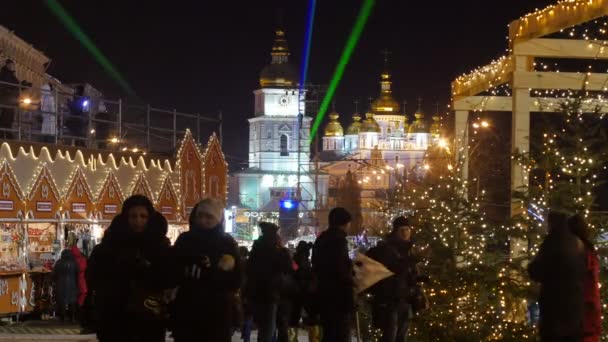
(368, 272)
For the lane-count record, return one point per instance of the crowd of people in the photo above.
(206, 288)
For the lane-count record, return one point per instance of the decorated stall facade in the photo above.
(52, 198)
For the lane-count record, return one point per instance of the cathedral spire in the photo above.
(280, 51)
(279, 73)
(385, 103)
(385, 77)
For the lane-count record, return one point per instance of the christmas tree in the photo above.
(349, 197)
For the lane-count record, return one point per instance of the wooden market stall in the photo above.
(54, 197)
(15, 285)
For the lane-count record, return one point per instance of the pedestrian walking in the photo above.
(269, 280)
(560, 267)
(65, 276)
(334, 272)
(592, 323)
(391, 297)
(303, 307)
(128, 273)
(209, 274)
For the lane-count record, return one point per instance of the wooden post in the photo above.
(520, 142)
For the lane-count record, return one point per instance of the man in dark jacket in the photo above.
(559, 267)
(391, 307)
(333, 268)
(9, 97)
(208, 270)
(269, 274)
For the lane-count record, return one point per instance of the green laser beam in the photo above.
(72, 26)
(351, 43)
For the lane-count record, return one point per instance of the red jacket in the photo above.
(593, 309)
(82, 267)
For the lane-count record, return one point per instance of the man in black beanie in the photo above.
(333, 268)
(392, 303)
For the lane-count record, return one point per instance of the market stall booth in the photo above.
(15, 284)
(55, 197)
(79, 225)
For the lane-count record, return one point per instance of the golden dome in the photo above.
(418, 126)
(279, 73)
(334, 128)
(385, 104)
(370, 125)
(354, 127)
(436, 126)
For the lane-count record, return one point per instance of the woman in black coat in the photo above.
(209, 276)
(128, 272)
(559, 267)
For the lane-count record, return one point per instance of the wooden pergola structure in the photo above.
(516, 71)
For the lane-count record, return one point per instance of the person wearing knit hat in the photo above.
(333, 267)
(207, 214)
(339, 217)
(209, 274)
(392, 302)
(269, 229)
(402, 227)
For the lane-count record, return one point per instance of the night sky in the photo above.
(205, 56)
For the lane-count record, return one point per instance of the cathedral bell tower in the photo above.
(273, 131)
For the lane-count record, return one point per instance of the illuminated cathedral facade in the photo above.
(380, 148)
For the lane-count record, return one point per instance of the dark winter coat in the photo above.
(559, 267)
(203, 308)
(65, 275)
(395, 255)
(334, 271)
(128, 265)
(303, 299)
(269, 271)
